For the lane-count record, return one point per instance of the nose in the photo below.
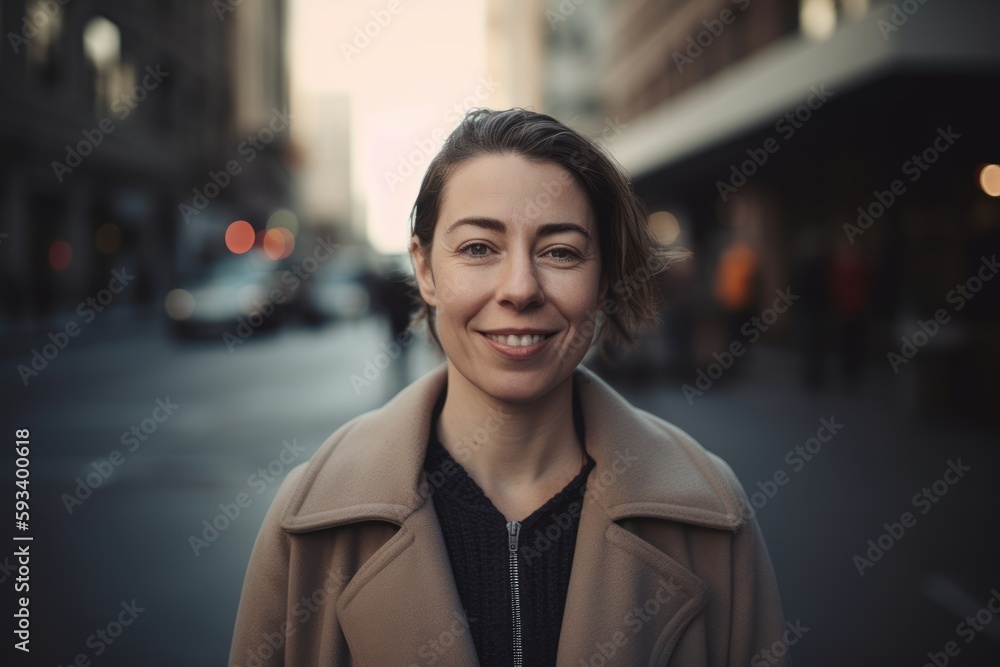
(519, 285)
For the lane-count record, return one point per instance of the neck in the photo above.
(511, 448)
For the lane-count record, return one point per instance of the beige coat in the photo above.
(350, 567)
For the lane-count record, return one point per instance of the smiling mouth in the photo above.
(517, 341)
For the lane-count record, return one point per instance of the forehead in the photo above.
(515, 189)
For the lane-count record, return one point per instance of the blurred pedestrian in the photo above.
(812, 321)
(850, 280)
(736, 292)
(394, 296)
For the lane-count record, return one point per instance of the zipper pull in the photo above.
(513, 530)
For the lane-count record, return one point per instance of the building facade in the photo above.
(113, 114)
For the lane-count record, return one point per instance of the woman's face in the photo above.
(515, 257)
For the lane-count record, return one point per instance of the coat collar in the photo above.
(372, 468)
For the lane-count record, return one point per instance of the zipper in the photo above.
(513, 531)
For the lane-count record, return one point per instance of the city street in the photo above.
(211, 213)
(137, 439)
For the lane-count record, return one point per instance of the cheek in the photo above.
(450, 291)
(577, 293)
(459, 299)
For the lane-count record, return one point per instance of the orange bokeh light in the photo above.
(989, 179)
(108, 238)
(239, 236)
(278, 243)
(60, 255)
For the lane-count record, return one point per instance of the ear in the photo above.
(422, 272)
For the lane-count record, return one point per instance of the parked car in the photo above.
(230, 291)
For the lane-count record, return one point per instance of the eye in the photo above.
(563, 254)
(481, 250)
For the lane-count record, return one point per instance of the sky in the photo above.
(410, 68)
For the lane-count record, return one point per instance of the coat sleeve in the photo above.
(262, 620)
(758, 634)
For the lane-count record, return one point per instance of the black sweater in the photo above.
(475, 533)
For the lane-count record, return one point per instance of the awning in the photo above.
(757, 91)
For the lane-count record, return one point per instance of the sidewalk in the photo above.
(837, 498)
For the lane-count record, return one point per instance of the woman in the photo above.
(509, 507)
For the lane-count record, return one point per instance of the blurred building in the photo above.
(840, 146)
(521, 69)
(113, 116)
(323, 121)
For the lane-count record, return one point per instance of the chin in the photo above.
(516, 386)
(513, 393)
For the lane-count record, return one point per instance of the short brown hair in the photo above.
(630, 253)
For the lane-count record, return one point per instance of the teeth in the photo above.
(517, 341)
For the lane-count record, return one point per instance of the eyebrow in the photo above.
(498, 226)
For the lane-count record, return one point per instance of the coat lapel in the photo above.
(402, 607)
(627, 602)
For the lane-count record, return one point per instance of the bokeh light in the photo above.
(818, 18)
(989, 179)
(108, 238)
(664, 226)
(179, 304)
(60, 255)
(278, 243)
(240, 236)
(284, 218)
